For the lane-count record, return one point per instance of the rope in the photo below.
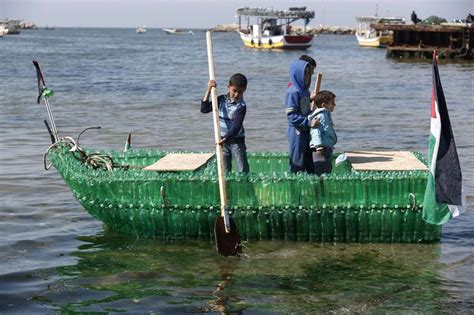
(94, 160)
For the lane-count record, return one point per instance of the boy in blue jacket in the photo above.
(298, 107)
(323, 138)
(232, 110)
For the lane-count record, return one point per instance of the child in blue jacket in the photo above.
(323, 138)
(298, 107)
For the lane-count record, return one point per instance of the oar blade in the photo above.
(228, 244)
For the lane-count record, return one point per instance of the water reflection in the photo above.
(115, 274)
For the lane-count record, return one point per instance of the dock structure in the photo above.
(452, 40)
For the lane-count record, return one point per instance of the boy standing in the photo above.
(324, 137)
(232, 110)
(297, 103)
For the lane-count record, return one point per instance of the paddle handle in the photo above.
(317, 88)
(217, 128)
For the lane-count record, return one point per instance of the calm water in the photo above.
(56, 257)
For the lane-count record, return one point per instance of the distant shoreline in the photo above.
(322, 29)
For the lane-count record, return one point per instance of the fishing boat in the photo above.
(3, 27)
(140, 29)
(12, 26)
(367, 36)
(177, 31)
(3, 30)
(273, 28)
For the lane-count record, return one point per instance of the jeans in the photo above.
(323, 164)
(300, 153)
(238, 149)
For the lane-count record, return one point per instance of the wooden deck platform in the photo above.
(419, 41)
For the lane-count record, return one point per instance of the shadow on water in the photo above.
(115, 274)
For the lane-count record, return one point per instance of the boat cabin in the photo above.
(272, 28)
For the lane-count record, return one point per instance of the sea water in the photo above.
(56, 258)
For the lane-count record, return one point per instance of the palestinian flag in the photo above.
(444, 192)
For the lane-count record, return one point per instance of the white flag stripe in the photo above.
(435, 129)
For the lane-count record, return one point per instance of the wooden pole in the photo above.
(317, 88)
(217, 135)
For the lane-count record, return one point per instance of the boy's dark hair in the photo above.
(309, 60)
(323, 97)
(239, 80)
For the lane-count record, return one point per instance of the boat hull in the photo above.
(277, 42)
(269, 203)
(177, 32)
(376, 42)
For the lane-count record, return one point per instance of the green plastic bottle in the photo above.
(211, 219)
(240, 219)
(387, 215)
(314, 224)
(397, 224)
(252, 224)
(191, 221)
(327, 223)
(352, 223)
(385, 190)
(375, 221)
(201, 218)
(276, 224)
(408, 225)
(302, 224)
(364, 227)
(366, 189)
(289, 223)
(373, 194)
(359, 190)
(419, 233)
(339, 224)
(263, 224)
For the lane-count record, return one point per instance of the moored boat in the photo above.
(10, 27)
(367, 36)
(177, 31)
(273, 29)
(140, 29)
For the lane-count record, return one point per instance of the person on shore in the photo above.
(232, 110)
(414, 18)
(323, 138)
(298, 107)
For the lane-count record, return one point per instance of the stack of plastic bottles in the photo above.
(268, 203)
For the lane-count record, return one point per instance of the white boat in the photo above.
(10, 27)
(3, 30)
(367, 36)
(177, 31)
(140, 29)
(273, 29)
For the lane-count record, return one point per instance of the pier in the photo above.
(452, 40)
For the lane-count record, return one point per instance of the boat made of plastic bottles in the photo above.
(347, 205)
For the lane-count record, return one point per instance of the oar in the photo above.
(225, 231)
(317, 87)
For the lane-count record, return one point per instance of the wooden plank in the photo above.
(180, 162)
(384, 161)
